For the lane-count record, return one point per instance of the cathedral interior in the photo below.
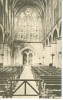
(30, 44)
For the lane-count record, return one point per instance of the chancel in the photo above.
(30, 48)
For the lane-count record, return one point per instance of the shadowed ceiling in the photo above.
(39, 5)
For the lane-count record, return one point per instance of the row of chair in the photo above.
(51, 83)
(8, 73)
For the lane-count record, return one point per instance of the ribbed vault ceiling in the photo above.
(39, 5)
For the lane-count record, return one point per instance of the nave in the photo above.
(30, 48)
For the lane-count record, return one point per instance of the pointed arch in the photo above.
(55, 35)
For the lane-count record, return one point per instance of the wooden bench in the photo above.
(6, 74)
(52, 85)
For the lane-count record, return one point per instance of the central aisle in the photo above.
(27, 74)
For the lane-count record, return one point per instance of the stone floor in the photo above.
(27, 74)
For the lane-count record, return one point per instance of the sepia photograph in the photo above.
(31, 49)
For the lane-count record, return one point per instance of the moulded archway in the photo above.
(27, 57)
(27, 54)
(30, 48)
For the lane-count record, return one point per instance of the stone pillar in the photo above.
(59, 50)
(5, 55)
(44, 55)
(48, 55)
(1, 53)
(54, 51)
(12, 54)
(9, 56)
